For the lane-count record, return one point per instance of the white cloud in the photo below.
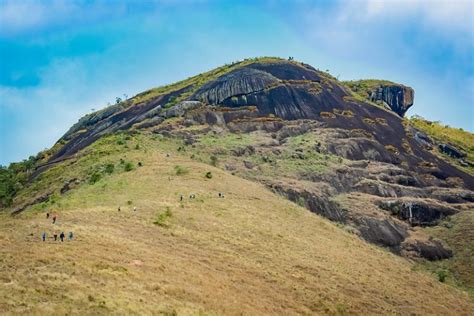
(32, 15)
(454, 15)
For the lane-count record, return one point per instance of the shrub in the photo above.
(140, 164)
(162, 217)
(109, 168)
(209, 175)
(137, 146)
(129, 202)
(128, 166)
(327, 115)
(442, 275)
(381, 121)
(96, 176)
(180, 170)
(392, 149)
(214, 160)
(406, 146)
(369, 121)
(347, 113)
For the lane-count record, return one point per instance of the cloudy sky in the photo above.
(60, 59)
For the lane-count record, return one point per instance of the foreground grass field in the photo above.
(250, 253)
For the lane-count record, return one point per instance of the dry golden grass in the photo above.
(251, 253)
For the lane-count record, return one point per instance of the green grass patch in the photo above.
(180, 170)
(162, 218)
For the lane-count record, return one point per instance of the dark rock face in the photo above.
(69, 185)
(315, 202)
(360, 149)
(181, 108)
(238, 82)
(430, 249)
(38, 199)
(451, 151)
(382, 232)
(396, 97)
(418, 213)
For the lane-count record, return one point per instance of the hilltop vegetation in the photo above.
(457, 137)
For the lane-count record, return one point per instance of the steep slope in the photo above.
(251, 252)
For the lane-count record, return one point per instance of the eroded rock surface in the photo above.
(397, 97)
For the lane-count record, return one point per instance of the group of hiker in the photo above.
(192, 196)
(61, 235)
(120, 208)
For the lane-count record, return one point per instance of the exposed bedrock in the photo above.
(382, 232)
(238, 82)
(397, 97)
(451, 151)
(418, 212)
(361, 148)
(431, 249)
(317, 202)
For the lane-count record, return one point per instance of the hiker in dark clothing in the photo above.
(62, 236)
(55, 236)
(70, 235)
(181, 198)
(44, 236)
(47, 215)
(119, 209)
(54, 219)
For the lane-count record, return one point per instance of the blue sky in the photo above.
(60, 59)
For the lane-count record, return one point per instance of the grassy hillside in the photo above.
(441, 133)
(458, 234)
(251, 252)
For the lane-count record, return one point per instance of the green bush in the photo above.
(128, 166)
(96, 176)
(109, 168)
(442, 275)
(180, 170)
(214, 160)
(162, 218)
(209, 175)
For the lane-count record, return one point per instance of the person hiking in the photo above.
(44, 236)
(119, 208)
(70, 235)
(54, 219)
(47, 215)
(134, 208)
(62, 236)
(181, 197)
(55, 236)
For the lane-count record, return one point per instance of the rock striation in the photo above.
(396, 97)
